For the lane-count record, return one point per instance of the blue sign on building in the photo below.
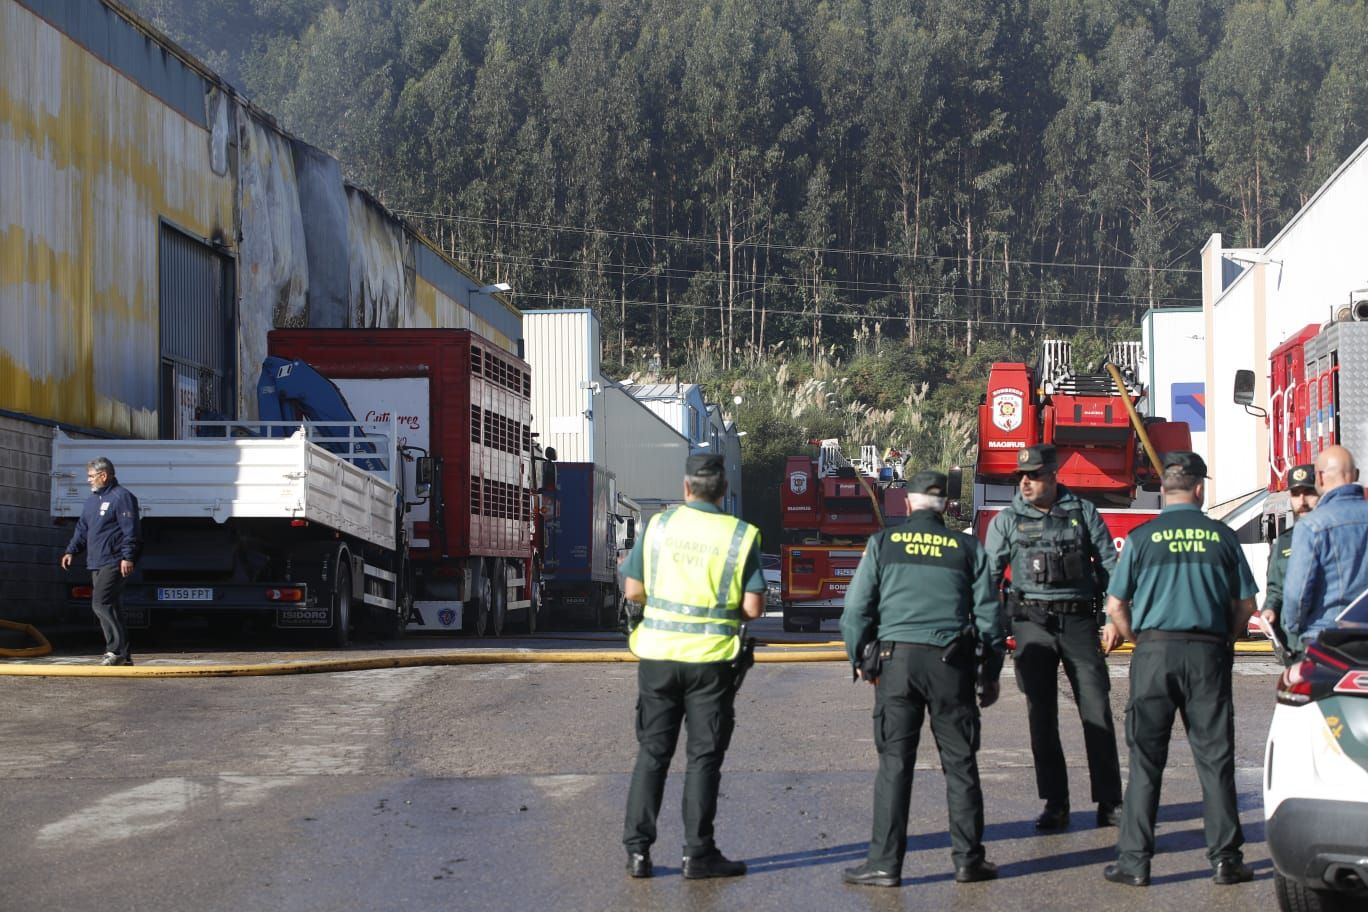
(1189, 404)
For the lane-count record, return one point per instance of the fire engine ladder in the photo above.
(830, 458)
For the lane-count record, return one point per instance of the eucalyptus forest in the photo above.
(839, 210)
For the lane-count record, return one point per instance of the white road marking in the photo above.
(563, 787)
(153, 806)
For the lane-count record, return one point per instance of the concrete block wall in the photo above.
(32, 586)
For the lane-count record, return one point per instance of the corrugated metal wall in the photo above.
(106, 136)
(91, 161)
(563, 350)
(198, 328)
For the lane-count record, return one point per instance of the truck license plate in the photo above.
(185, 594)
(844, 571)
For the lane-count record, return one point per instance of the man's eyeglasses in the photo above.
(1036, 474)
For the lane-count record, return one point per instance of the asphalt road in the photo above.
(501, 787)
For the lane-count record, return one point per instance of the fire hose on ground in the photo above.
(429, 659)
(26, 652)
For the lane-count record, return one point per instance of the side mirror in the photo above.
(631, 532)
(422, 477)
(1244, 393)
(954, 489)
(954, 484)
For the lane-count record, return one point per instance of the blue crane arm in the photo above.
(293, 391)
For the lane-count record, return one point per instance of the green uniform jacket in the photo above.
(1071, 517)
(1277, 571)
(923, 583)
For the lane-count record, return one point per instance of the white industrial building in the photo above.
(641, 433)
(1254, 299)
(1174, 346)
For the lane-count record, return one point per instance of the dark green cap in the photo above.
(928, 482)
(1302, 476)
(1190, 463)
(1036, 458)
(702, 464)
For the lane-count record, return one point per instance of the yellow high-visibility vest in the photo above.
(692, 563)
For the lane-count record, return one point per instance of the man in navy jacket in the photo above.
(108, 532)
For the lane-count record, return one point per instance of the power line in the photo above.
(841, 251)
(584, 300)
(782, 282)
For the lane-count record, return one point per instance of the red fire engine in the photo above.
(1106, 450)
(1316, 378)
(832, 505)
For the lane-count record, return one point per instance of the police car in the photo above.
(1316, 772)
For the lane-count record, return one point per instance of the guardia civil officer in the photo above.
(1182, 592)
(1060, 554)
(1303, 497)
(925, 594)
(697, 571)
(110, 535)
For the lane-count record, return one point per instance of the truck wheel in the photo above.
(498, 608)
(534, 598)
(342, 607)
(476, 620)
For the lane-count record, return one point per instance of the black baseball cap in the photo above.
(928, 482)
(701, 464)
(1189, 462)
(1036, 458)
(1302, 476)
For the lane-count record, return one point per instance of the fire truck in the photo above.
(1315, 378)
(830, 506)
(1107, 450)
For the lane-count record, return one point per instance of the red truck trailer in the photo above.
(464, 412)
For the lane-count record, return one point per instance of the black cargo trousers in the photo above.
(107, 584)
(1041, 645)
(914, 682)
(1189, 678)
(701, 697)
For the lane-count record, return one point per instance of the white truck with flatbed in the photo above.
(297, 522)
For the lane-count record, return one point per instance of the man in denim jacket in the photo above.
(1328, 567)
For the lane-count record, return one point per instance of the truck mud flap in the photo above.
(436, 616)
(303, 617)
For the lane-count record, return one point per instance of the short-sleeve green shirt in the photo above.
(1180, 571)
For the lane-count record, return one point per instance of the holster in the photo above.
(871, 662)
(629, 616)
(964, 644)
(744, 659)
